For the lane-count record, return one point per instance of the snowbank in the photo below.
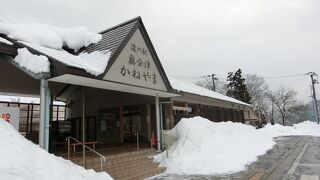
(189, 87)
(50, 36)
(205, 147)
(306, 128)
(21, 159)
(31, 62)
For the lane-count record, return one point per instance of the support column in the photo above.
(171, 116)
(44, 114)
(121, 124)
(47, 120)
(148, 118)
(157, 106)
(83, 126)
(161, 124)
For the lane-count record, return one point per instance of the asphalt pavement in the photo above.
(292, 158)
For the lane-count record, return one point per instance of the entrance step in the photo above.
(129, 165)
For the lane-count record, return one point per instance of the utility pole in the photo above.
(314, 81)
(213, 82)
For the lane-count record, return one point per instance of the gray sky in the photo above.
(199, 37)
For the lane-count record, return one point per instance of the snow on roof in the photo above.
(50, 36)
(50, 41)
(31, 62)
(189, 87)
(22, 99)
(94, 63)
(22, 159)
(5, 41)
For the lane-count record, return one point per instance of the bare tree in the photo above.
(206, 82)
(285, 101)
(258, 90)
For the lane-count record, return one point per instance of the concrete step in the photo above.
(140, 173)
(114, 159)
(128, 165)
(131, 166)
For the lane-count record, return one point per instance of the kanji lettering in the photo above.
(132, 60)
(133, 47)
(139, 62)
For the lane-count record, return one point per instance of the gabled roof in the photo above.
(115, 38)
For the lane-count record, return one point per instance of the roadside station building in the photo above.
(132, 96)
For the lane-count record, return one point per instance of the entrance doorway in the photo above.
(134, 126)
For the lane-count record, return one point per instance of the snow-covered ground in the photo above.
(205, 147)
(21, 159)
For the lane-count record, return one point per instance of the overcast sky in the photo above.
(199, 37)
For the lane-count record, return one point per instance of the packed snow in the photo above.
(32, 62)
(94, 63)
(189, 87)
(208, 148)
(5, 41)
(50, 36)
(21, 159)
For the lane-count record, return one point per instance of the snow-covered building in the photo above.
(113, 83)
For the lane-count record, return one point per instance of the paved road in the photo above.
(293, 158)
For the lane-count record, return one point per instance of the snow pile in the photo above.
(50, 36)
(31, 62)
(306, 128)
(205, 147)
(94, 63)
(189, 87)
(21, 159)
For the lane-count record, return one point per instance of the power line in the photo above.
(285, 76)
(271, 77)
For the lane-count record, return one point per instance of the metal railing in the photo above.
(167, 148)
(138, 147)
(102, 157)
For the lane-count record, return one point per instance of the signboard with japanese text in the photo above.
(135, 65)
(11, 115)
